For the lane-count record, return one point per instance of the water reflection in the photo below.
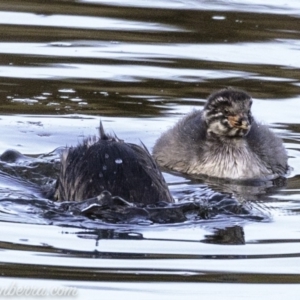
(140, 66)
(227, 236)
(250, 190)
(96, 23)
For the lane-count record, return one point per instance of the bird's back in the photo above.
(124, 169)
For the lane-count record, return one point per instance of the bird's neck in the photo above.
(224, 140)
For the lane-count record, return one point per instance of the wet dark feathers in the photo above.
(107, 163)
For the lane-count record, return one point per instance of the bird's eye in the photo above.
(226, 111)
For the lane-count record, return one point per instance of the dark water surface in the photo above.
(139, 66)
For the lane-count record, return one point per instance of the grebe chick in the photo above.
(109, 164)
(223, 140)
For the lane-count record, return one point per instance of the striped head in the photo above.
(228, 113)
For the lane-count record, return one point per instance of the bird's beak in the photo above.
(239, 121)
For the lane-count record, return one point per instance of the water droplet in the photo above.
(218, 17)
(104, 168)
(100, 174)
(118, 161)
(106, 155)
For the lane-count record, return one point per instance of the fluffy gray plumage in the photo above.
(222, 140)
(107, 163)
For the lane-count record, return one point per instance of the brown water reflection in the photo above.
(51, 51)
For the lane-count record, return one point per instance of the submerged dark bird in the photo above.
(223, 140)
(109, 164)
